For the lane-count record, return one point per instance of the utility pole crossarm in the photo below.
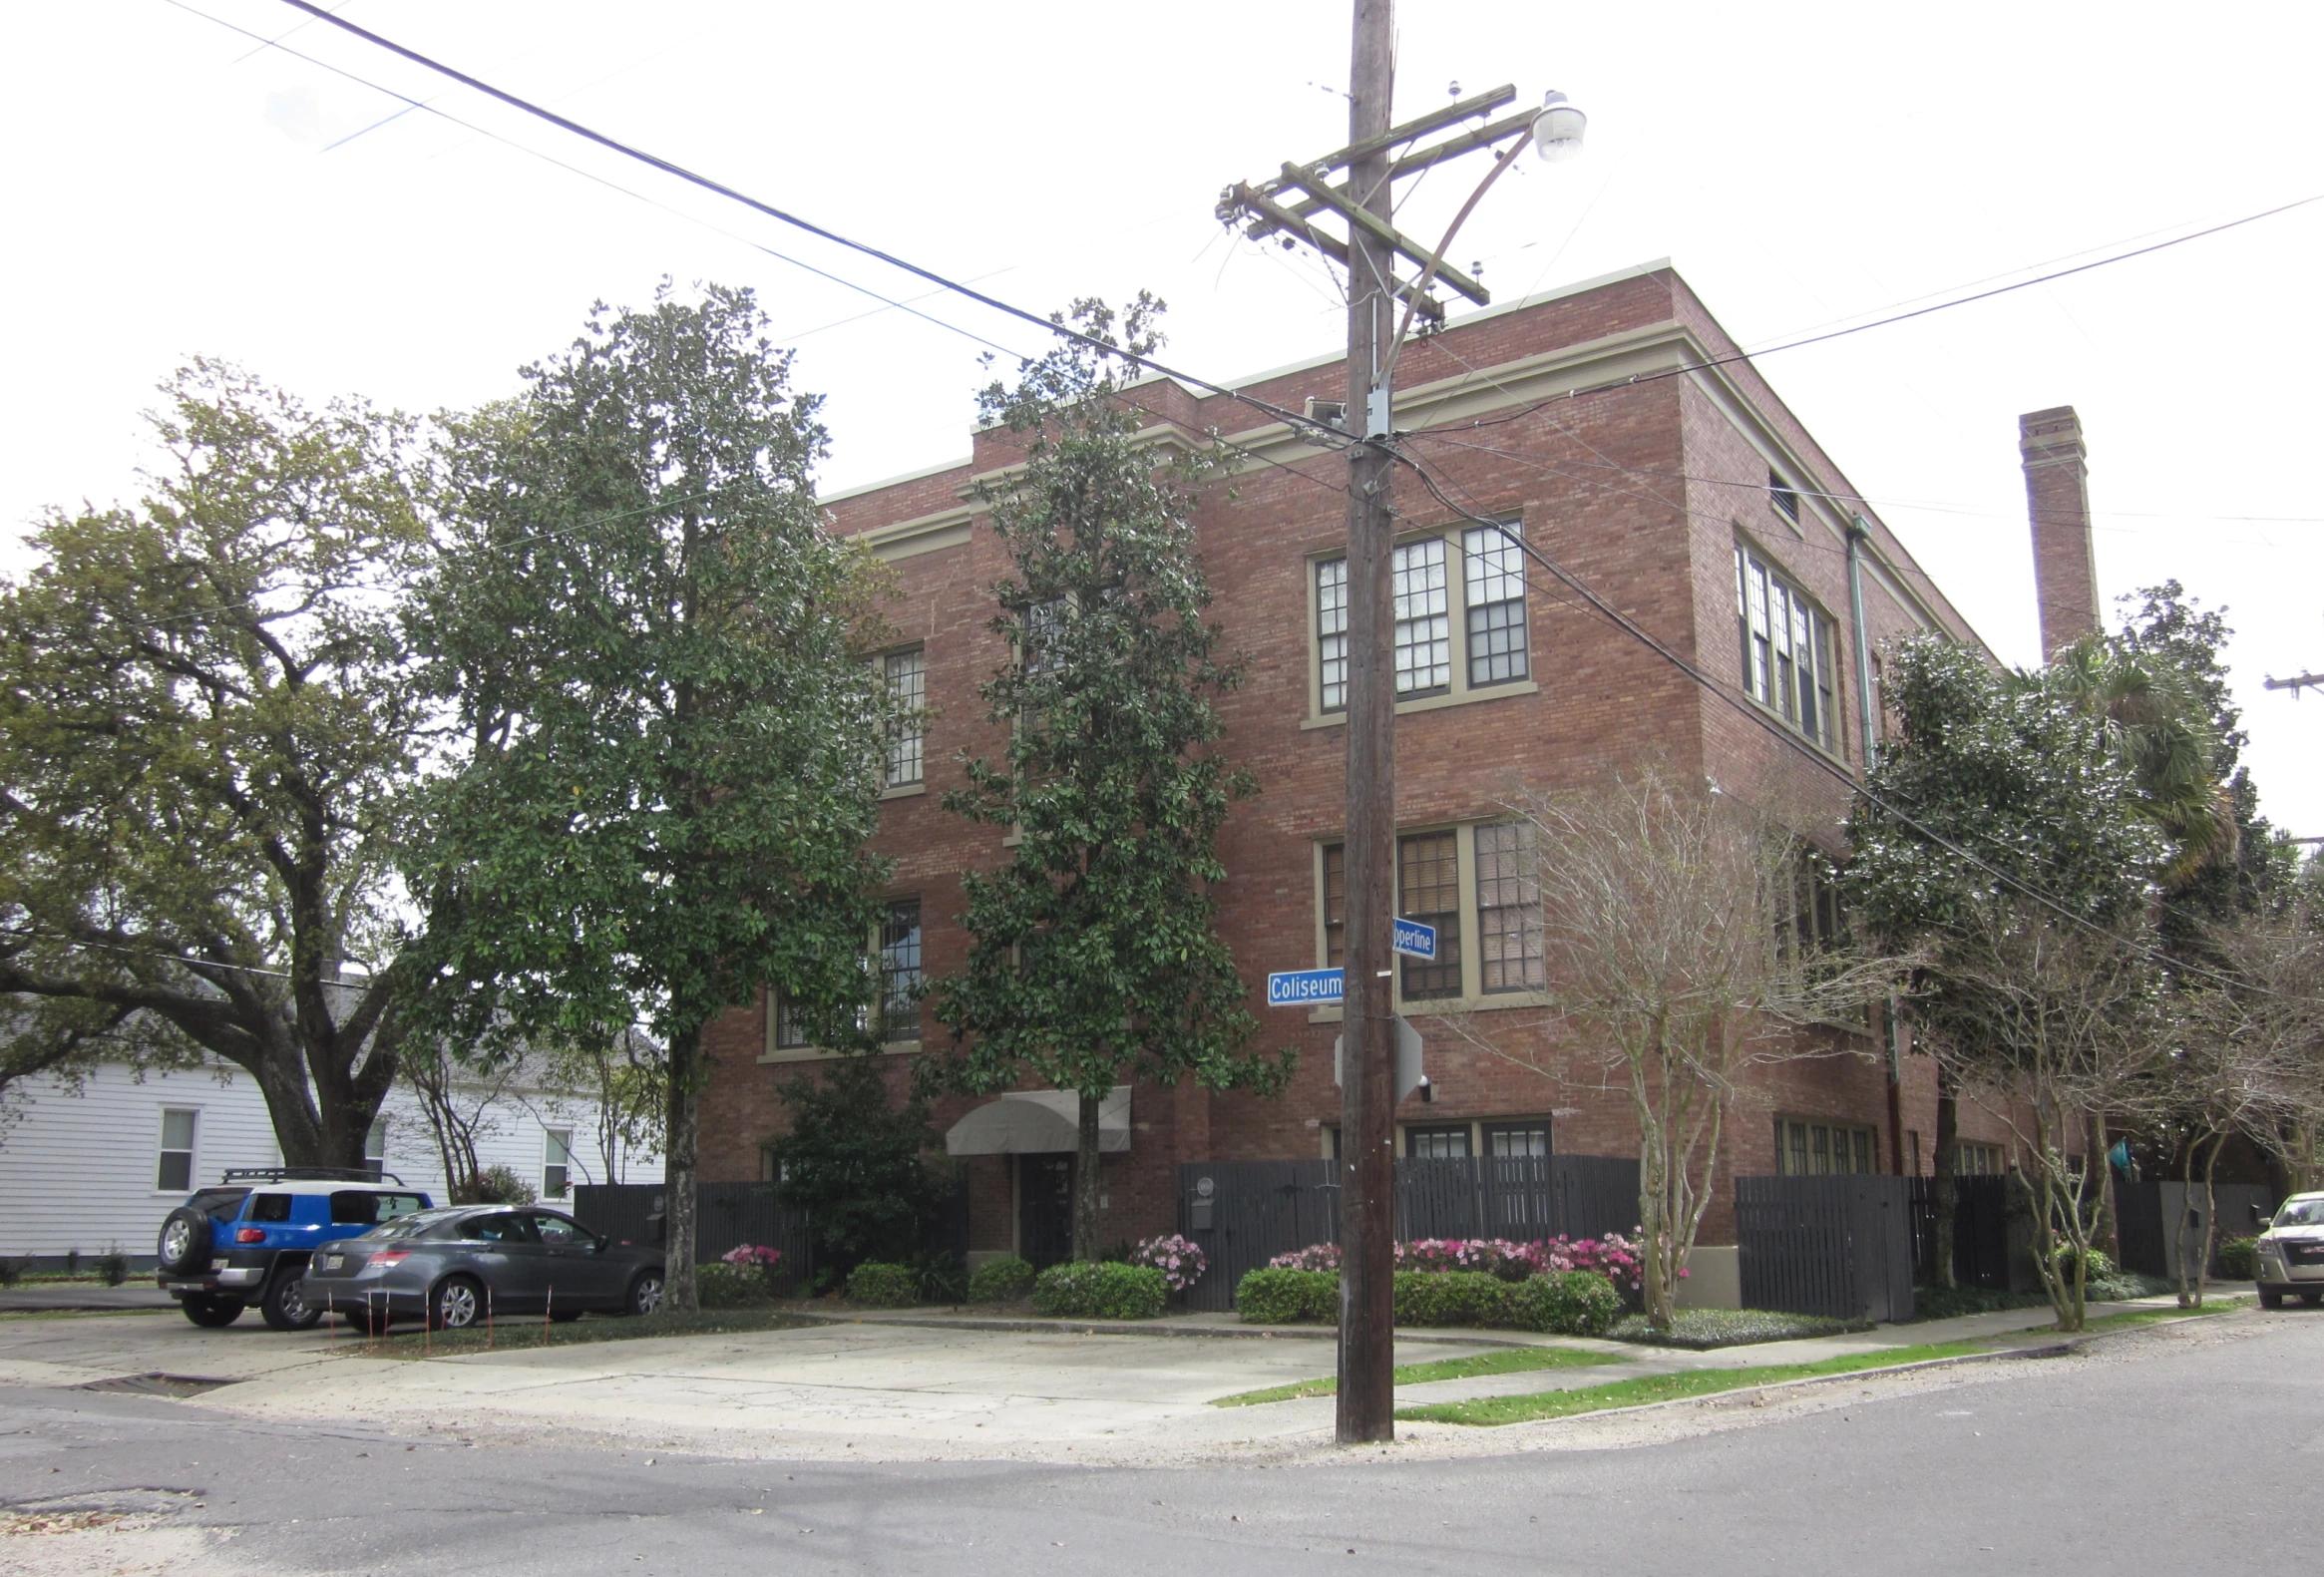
(2297, 683)
(1386, 234)
(1278, 218)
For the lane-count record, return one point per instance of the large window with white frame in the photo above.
(1786, 649)
(555, 1163)
(1471, 881)
(174, 1174)
(1460, 619)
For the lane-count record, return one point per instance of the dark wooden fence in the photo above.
(1980, 1231)
(2148, 1216)
(1837, 1246)
(1245, 1213)
(727, 1215)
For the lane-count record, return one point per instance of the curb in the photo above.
(1022, 1326)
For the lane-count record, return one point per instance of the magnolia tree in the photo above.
(1677, 961)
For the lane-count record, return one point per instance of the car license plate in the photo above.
(332, 1262)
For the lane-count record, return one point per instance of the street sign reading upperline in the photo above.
(1415, 939)
(1304, 989)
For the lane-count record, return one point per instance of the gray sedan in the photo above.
(462, 1266)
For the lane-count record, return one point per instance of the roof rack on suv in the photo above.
(308, 1174)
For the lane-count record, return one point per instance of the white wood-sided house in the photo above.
(98, 1168)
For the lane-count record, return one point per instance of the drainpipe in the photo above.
(1858, 534)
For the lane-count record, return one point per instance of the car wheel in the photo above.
(565, 1316)
(184, 1247)
(2270, 1298)
(455, 1305)
(284, 1306)
(644, 1294)
(211, 1313)
(2312, 1299)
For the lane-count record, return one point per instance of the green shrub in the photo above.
(1100, 1289)
(723, 1285)
(940, 1277)
(1001, 1280)
(2238, 1257)
(1428, 1297)
(881, 1284)
(1284, 1297)
(2098, 1267)
(1575, 1303)
(11, 1272)
(112, 1266)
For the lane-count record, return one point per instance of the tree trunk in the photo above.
(1944, 1197)
(2104, 1237)
(1085, 1245)
(685, 1113)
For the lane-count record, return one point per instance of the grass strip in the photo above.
(524, 1334)
(1493, 1410)
(1505, 1360)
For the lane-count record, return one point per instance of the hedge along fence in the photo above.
(1100, 1289)
(1567, 1303)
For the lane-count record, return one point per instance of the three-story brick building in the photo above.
(1614, 425)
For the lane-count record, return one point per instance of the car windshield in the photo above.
(2301, 1213)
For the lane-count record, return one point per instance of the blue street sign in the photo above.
(1415, 939)
(1304, 989)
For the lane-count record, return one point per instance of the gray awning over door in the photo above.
(1039, 1122)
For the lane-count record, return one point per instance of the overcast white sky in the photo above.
(177, 188)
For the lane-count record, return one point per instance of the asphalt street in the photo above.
(2185, 1449)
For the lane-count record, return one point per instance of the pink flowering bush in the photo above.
(754, 1254)
(1180, 1261)
(742, 1277)
(1315, 1257)
(1620, 1260)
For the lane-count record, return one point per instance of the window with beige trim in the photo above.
(1466, 880)
(1978, 1160)
(893, 948)
(1459, 611)
(1786, 650)
(1813, 1147)
(905, 675)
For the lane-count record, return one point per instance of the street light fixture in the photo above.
(1557, 129)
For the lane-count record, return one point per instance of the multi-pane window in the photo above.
(1331, 631)
(1809, 912)
(790, 1027)
(1447, 1142)
(1977, 1160)
(1428, 890)
(905, 675)
(557, 1164)
(1809, 1148)
(1424, 618)
(1508, 909)
(1517, 1141)
(1440, 647)
(1334, 906)
(1786, 649)
(1785, 497)
(1043, 624)
(176, 1173)
(1495, 587)
(900, 975)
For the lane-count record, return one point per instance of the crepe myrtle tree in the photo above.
(670, 737)
(209, 720)
(2002, 836)
(1094, 956)
(1685, 939)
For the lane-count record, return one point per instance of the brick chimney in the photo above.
(2058, 500)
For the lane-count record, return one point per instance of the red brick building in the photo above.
(1610, 425)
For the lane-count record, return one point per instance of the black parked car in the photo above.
(459, 1267)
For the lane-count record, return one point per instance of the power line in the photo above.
(1898, 317)
(731, 194)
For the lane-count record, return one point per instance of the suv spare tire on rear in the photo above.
(184, 1247)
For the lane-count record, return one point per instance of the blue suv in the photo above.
(248, 1239)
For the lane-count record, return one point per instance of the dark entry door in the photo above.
(1044, 1208)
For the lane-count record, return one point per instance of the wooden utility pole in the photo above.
(1293, 206)
(1366, 1408)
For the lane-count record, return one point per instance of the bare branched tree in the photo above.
(1683, 941)
(2046, 1021)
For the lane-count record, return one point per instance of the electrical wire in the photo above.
(720, 188)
